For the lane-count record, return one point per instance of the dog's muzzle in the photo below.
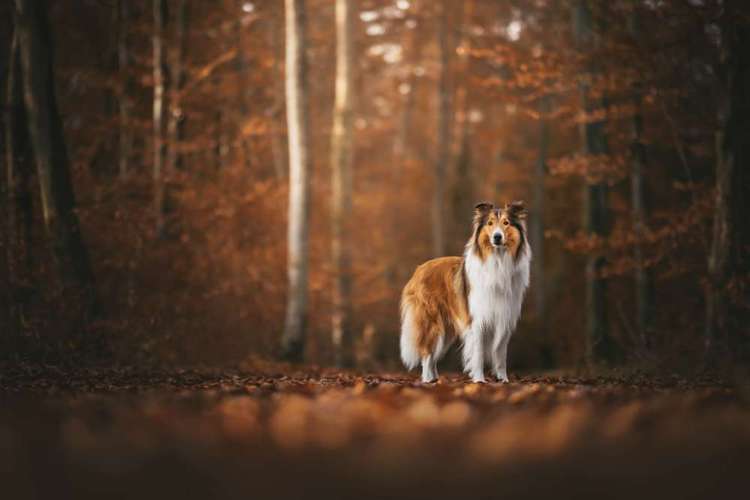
(497, 238)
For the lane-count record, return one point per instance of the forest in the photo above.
(209, 211)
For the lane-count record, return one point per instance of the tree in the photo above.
(6, 312)
(275, 111)
(17, 196)
(157, 42)
(638, 206)
(462, 185)
(731, 229)
(595, 211)
(176, 83)
(536, 226)
(443, 133)
(243, 92)
(125, 98)
(341, 182)
(406, 88)
(45, 132)
(292, 341)
(222, 120)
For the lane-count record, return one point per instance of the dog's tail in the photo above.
(409, 352)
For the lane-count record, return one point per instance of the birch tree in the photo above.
(293, 338)
(341, 182)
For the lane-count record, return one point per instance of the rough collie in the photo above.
(476, 298)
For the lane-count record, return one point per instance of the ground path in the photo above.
(279, 432)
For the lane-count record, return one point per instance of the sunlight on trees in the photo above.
(206, 191)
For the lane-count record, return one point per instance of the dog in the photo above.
(476, 298)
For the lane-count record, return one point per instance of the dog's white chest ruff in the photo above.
(497, 285)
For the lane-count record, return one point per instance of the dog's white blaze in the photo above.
(496, 289)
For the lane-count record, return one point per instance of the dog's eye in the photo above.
(505, 223)
(490, 223)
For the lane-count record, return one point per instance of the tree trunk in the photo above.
(18, 197)
(462, 84)
(443, 134)
(462, 191)
(642, 276)
(341, 184)
(223, 114)
(51, 155)
(595, 215)
(462, 188)
(718, 259)
(176, 83)
(400, 141)
(157, 40)
(8, 324)
(407, 91)
(221, 138)
(125, 100)
(243, 96)
(536, 228)
(278, 146)
(14, 185)
(731, 232)
(292, 341)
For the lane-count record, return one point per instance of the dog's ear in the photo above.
(482, 209)
(517, 209)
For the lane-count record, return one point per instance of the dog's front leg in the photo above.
(473, 354)
(500, 355)
(429, 369)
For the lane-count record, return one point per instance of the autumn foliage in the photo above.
(211, 286)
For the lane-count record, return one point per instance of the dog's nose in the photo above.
(497, 238)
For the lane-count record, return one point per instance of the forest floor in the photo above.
(292, 433)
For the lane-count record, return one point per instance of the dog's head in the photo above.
(499, 229)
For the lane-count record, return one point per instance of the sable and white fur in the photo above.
(476, 298)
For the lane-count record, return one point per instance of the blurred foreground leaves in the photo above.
(283, 423)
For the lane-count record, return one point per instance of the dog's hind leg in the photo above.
(429, 369)
(429, 362)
